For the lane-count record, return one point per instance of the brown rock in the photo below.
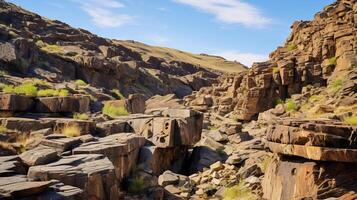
(14, 102)
(67, 104)
(93, 173)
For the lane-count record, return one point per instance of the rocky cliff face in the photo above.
(33, 46)
(321, 53)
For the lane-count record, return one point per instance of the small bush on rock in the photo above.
(277, 102)
(351, 120)
(136, 185)
(336, 85)
(239, 191)
(276, 70)
(3, 129)
(26, 89)
(80, 82)
(290, 105)
(71, 131)
(52, 93)
(118, 94)
(3, 73)
(114, 111)
(291, 47)
(81, 116)
(332, 61)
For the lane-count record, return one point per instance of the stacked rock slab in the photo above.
(93, 173)
(121, 149)
(21, 103)
(318, 156)
(15, 185)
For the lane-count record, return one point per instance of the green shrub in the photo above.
(114, 111)
(46, 93)
(136, 185)
(291, 47)
(40, 43)
(314, 98)
(265, 164)
(63, 93)
(52, 93)
(3, 129)
(52, 48)
(239, 191)
(26, 89)
(81, 116)
(118, 94)
(332, 61)
(278, 101)
(276, 70)
(80, 82)
(290, 105)
(3, 73)
(336, 85)
(351, 120)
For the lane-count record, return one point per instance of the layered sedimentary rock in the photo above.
(309, 180)
(121, 149)
(93, 173)
(327, 151)
(319, 52)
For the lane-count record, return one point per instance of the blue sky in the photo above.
(235, 29)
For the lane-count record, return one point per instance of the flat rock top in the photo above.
(122, 142)
(82, 163)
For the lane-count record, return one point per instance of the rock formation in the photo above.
(83, 117)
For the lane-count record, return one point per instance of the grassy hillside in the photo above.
(203, 60)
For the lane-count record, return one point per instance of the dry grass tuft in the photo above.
(71, 131)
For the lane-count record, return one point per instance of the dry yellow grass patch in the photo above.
(71, 131)
(203, 60)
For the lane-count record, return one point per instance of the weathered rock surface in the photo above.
(93, 173)
(307, 179)
(319, 52)
(121, 149)
(13, 102)
(39, 156)
(324, 140)
(67, 104)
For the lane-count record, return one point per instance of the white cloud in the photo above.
(245, 58)
(103, 13)
(230, 11)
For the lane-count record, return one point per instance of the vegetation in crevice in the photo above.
(114, 111)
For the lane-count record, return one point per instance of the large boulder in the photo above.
(39, 156)
(158, 159)
(121, 149)
(15, 102)
(67, 104)
(93, 173)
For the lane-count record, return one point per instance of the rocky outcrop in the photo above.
(55, 51)
(319, 52)
(327, 149)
